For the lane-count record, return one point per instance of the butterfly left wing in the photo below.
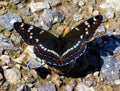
(33, 35)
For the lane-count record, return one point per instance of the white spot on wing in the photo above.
(77, 29)
(41, 32)
(86, 32)
(94, 18)
(31, 37)
(81, 36)
(86, 23)
(22, 25)
(36, 40)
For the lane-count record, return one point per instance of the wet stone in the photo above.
(6, 18)
(47, 87)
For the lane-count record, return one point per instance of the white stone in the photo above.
(117, 81)
(12, 75)
(39, 6)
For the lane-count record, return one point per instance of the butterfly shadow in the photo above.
(93, 54)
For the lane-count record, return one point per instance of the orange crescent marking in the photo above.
(62, 60)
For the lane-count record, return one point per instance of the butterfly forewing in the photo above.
(33, 35)
(85, 30)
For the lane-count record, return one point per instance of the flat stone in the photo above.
(6, 19)
(47, 87)
(39, 6)
(12, 75)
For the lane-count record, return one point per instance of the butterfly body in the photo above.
(59, 51)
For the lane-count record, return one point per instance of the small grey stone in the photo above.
(33, 64)
(6, 43)
(47, 87)
(20, 5)
(69, 88)
(89, 83)
(77, 17)
(16, 1)
(101, 29)
(48, 18)
(54, 2)
(82, 87)
(110, 14)
(110, 31)
(6, 85)
(30, 79)
(7, 18)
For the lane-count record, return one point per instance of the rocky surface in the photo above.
(21, 70)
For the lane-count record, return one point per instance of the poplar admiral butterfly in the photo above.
(59, 51)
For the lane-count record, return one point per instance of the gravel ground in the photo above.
(21, 70)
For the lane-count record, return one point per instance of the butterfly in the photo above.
(59, 51)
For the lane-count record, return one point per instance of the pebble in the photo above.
(110, 14)
(12, 75)
(6, 18)
(101, 29)
(48, 18)
(96, 74)
(3, 3)
(77, 17)
(69, 88)
(20, 5)
(33, 64)
(96, 12)
(108, 4)
(47, 87)
(24, 87)
(54, 2)
(108, 70)
(117, 81)
(16, 1)
(82, 87)
(89, 83)
(110, 31)
(20, 59)
(30, 79)
(15, 39)
(38, 6)
(6, 43)
(6, 85)
(81, 3)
